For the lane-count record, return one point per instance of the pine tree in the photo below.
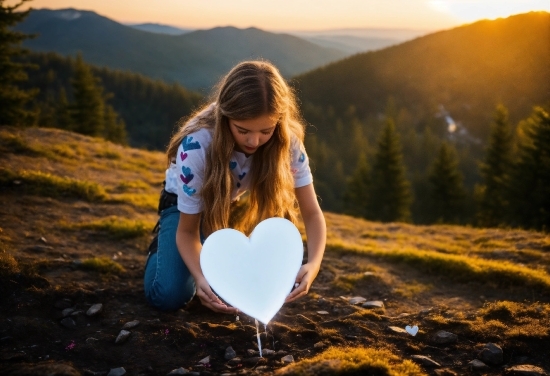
(62, 112)
(12, 98)
(389, 196)
(115, 129)
(88, 110)
(447, 192)
(355, 197)
(530, 183)
(495, 171)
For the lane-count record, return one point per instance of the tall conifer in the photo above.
(12, 98)
(447, 192)
(389, 196)
(495, 172)
(530, 183)
(355, 197)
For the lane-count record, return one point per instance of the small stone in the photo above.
(178, 371)
(43, 240)
(425, 311)
(251, 352)
(253, 360)
(122, 336)
(319, 345)
(268, 352)
(205, 360)
(68, 323)
(287, 359)
(404, 314)
(397, 329)
(425, 361)
(356, 300)
(92, 340)
(117, 371)
(477, 365)
(235, 361)
(443, 337)
(95, 309)
(525, 370)
(322, 312)
(229, 353)
(491, 354)
(373, 304)
(131, 324)
(67, 311)
(368, 274)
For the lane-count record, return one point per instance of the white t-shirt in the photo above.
(186, 175)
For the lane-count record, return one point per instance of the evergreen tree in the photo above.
(495, 171)
(62, 112)
(88, 110)
(530, 183)
(389, 196)
(355, 197)
(447, 191)
(115, 129)
(12, 98)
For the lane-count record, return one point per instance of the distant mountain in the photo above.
(467, 70)
(196, 59)
(160, 29)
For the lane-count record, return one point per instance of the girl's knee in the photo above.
(169, 298)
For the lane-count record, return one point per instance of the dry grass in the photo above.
(102, 265)
(117, 227)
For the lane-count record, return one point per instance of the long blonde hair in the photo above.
(251, 89)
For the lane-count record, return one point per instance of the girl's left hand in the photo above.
(305, 277)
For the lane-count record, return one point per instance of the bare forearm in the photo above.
(316, 238)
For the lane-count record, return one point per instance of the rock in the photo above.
(205, 360)
(404, 314)
(235, 361)
(229, 353)
(178, 371)
(40, 248)
(131, 324)
(491, 354)
(122, 336)
(322, 312)
(368, 274)
(477, 365)
(67, 311)
(319, 345)
(252, 361)
(68, 323)
(92, 340)
(397, 329)
(43, 240)
(443, 337)
(268, 352)
(95, 309)
(525, 370)
(356, 300)
(117, 371)
(287, 359)
(425, 361)
(63, 303)
(425, 311)
(251, 352)
(373, 304)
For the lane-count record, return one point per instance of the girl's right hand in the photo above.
(211, 300)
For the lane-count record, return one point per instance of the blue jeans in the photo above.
(168, 283)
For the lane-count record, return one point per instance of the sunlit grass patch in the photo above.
(118, 228)
(412, 289)
(103, 265)
(353, 361)
(128, 186)
(16, 144)
(44, 184)
(458, 267)
(348, 281)
(142, 200)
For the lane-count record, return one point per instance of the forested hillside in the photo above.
(195, 60)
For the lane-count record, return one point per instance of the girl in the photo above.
(248, 139)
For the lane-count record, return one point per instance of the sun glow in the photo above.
(473, 10)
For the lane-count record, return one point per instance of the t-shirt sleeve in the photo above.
(300, 165)
(190, 165)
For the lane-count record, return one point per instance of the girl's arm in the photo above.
(189, 246)
(314, 221)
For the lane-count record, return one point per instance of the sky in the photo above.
(286, 15)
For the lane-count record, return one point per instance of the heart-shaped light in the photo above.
(412, 330)
(256, 274)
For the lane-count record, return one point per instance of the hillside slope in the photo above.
(196, 59)
(75, 220)
(468, 70)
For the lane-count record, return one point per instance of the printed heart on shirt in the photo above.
(241, 176)
(255, 274)
(232, 165)
(187, 175)
(183, 156)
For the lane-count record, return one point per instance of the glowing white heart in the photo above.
(412, 330)
(254, 274)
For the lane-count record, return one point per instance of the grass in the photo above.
(16, 144)
(103, 265)
(118, 228)
(44, 184)
(353, 361)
